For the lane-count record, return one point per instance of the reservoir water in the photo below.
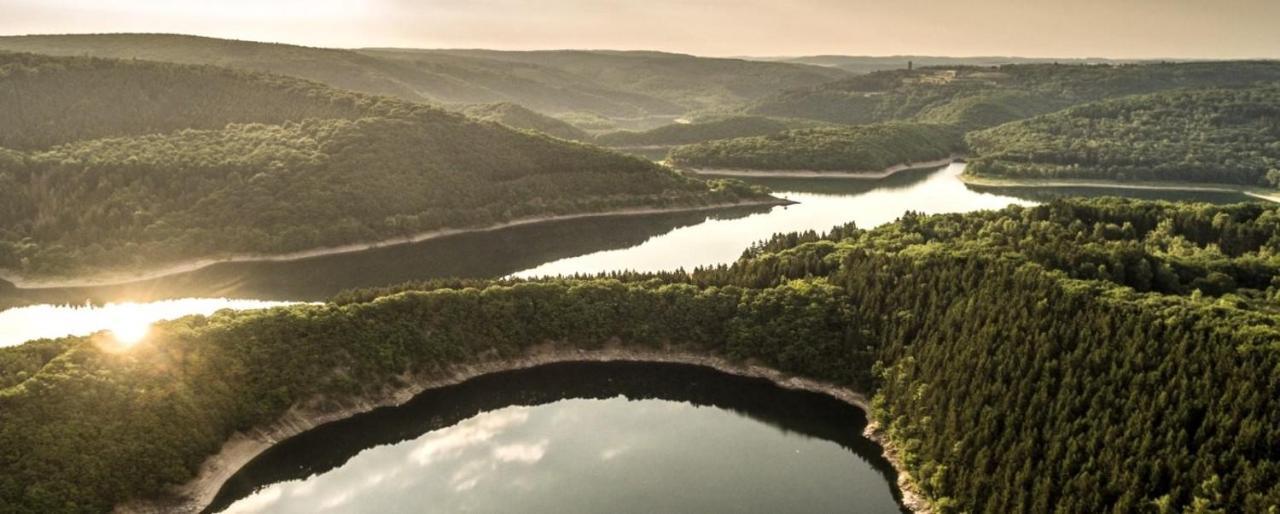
(588, 245)
(581, 438)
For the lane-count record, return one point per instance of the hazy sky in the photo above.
(1048, 28)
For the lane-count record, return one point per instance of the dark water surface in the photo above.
(590, 245)
(581, 437)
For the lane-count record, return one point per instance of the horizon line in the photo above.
(775, 57)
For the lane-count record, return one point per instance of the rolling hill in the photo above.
(121, 165)
(688, 82)
(1227, 136)
(861, 64)
(850, 149)
(515, 116)
(975, 97)
(610, 84)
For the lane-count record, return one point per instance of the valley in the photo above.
(247, 276)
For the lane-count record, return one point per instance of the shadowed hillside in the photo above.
(133, 185)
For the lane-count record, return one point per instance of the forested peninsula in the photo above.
(1223, 136)
(864, 148)
(1079, 356)
(698, 131)
(111, 165)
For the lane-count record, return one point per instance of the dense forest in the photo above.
(1079, 356)
(981, 97)
(853, 148)
(49, 101)
(515, 116)
(1215, 135)
(726, 127)
(609, 84)
(316, 166)
(1214, 122)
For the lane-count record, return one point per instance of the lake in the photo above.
(587, 245)
(581, 438)
(562, 438)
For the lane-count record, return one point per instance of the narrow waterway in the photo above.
(644, 243)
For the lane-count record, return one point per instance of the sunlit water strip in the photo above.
(127, 321)
(722, 241)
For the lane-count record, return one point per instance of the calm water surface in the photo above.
(823, 203)
(644, 243)
(588, 438)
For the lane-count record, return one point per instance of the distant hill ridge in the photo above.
(606, 83)
(980, 97)
(870, 64)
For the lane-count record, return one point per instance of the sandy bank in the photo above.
(857, 175)
(110, 279)
(1105, 184)
(245, 446)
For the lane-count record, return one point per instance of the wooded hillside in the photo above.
(854, 148)
(150, 170)
(980, 97)
(1227, 136)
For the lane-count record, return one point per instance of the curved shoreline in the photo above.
(243, 447)
(642, 147)
(855, 175)
(1103, 184)
(112, 279)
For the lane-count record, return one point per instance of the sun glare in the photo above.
(128, 323)
(130, 330)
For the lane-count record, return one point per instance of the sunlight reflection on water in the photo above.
(128, 322)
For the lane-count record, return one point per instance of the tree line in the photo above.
(854, 148)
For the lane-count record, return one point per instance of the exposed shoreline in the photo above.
(855, 175)
(642, 147)
(242, 447)
(1105, 184)
(118, 278)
